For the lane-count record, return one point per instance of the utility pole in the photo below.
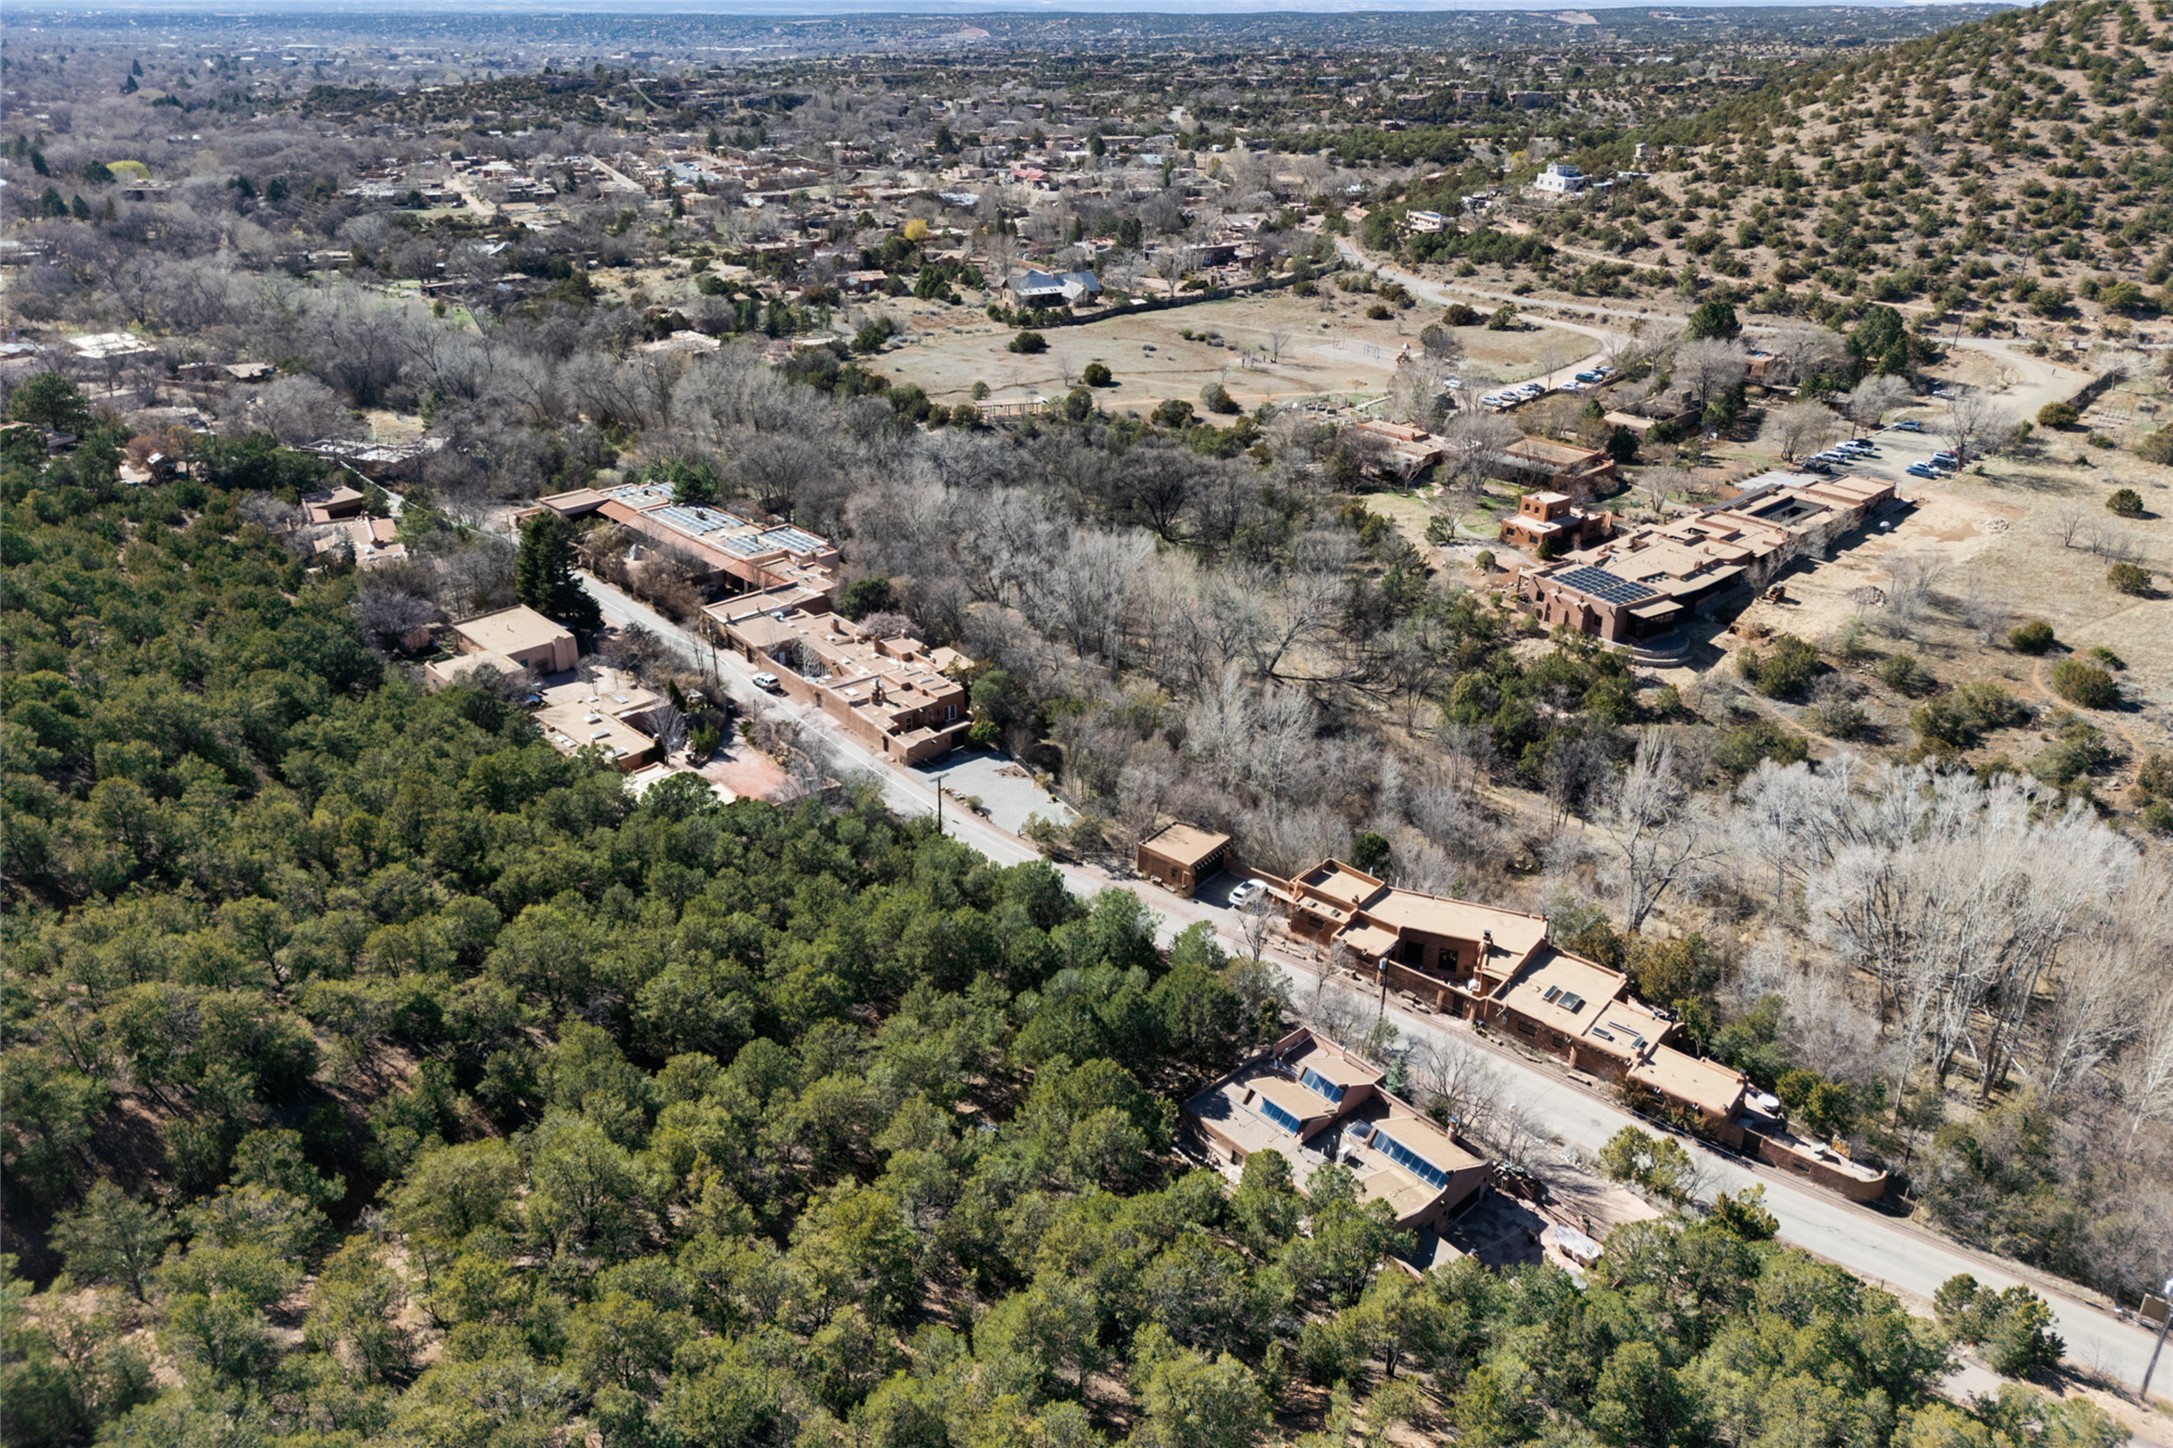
(939, 808)
(1380, 970)
(2165, 1320)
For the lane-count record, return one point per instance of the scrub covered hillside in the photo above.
(2020, 161)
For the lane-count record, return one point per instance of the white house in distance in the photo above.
(1560, 179)
(1034, 288)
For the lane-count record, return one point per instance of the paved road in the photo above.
(1875, 1247)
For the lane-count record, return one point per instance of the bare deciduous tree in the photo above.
(1710, 365)
(1910, 578)
(1974, 424)
(1474, 440)
(1869, 401)
(1659, 839)
(1801, 427)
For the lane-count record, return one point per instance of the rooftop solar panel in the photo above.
(793, 540)
(1605, 586)
(689, 520)
(739, 545)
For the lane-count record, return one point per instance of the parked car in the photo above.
(1245, 892)
(1921, 470)
(1946, 455)
(768, 682)
(1589, 377)
(1909, 424)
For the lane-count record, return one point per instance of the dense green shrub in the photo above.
(2131, 579)
(2127, 502)
(2032, 637)
(1028, 343)
(1783, 671)
(2085, 684)
(1905, 674)
(2014, 1327)
(1741, 749)
(1962, 717)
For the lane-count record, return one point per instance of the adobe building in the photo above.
(1407, 451)
(1584, 472)
(896, 695)
(1550, 524)
(1315, 1103)
(609, 712)
(1498, 968)
(1654, 577)
(522, 636)
(732, 554)
(1180, 856)
(330, 505)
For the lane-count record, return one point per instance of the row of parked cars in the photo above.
(1841, 454)
(1524, 392)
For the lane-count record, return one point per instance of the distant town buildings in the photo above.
(1053, 289)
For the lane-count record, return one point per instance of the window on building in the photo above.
(1280, 1117)
(1409, 1160)
(1322, 1085)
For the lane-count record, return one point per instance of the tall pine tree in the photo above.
(543, 574)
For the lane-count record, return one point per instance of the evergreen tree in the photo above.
(543, 574)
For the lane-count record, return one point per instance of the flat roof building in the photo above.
(1317, 1103)
(734, 553)
(1497, 967)
(1180, 856)
(1558, 466)
(330, 505)
(1550, 524)
(1650, 579)
(896, 695)
(521, 634)
(609, 712)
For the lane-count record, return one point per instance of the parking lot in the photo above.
(1900, 453)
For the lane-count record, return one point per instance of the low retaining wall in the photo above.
(1819, 1173)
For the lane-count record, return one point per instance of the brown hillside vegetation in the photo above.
(2024, 158)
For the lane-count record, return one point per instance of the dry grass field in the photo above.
(2022, 539)
(1327, 346)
